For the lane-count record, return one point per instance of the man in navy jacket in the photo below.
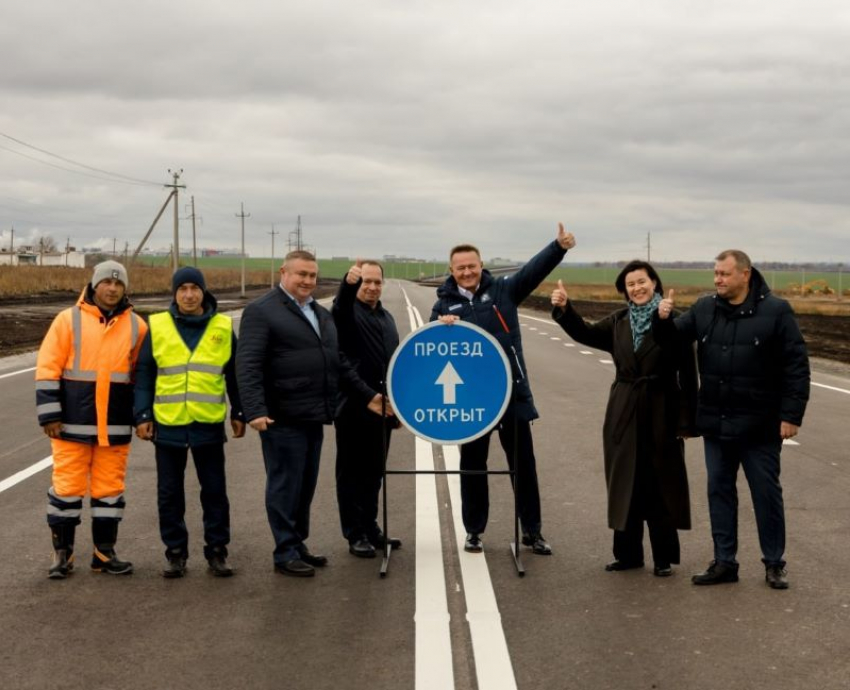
(754, 386)
(472, 294)
(191, 312)
(289, 369)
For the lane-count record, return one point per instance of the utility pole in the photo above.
(126, 251)
(114, 240)
(648, 246)
(272, 233)
(243, 216)
(175, 262)
(297, 232)
(67, 250)
(41, 251)
(194, 245)
(171, 195)
(12, 245)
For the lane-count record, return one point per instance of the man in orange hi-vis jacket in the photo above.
(84, 400)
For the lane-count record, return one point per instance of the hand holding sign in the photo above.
(665, 306)
(559, 296)
(565, 239)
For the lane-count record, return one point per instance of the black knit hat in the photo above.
(187, 274)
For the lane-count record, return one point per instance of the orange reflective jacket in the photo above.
(84, 373)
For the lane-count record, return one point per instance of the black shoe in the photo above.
(296, 568)
(473, 543)
(378, 541)
(537, 543)
(218, 564)
(63, 564)
(175, 565)
(313, 559)
(776, 577)
(361, 548)
(716, 574)
(662, 570)
(617, 566)
(105, 560)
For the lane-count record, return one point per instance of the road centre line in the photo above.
(493, 668)
(18, 477)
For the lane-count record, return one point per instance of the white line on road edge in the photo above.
(832, 388)
(433, 647)
(15, 373)
(18, 477)
(493, 666)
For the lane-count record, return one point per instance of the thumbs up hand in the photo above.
(565, 239)
(559, 296)
(665, 307)
(355, 273)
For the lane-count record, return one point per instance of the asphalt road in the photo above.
(442, 618)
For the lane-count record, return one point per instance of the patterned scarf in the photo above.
(640, 317)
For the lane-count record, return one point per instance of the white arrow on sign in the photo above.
(448, 379)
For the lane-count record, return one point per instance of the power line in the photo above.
(71, 170)
(129, 179)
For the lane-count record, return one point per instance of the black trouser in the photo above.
(291, 454)
(474, 489)
(647, 504)
(359, 472)
(171, 496)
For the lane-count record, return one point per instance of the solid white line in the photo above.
(15, 373)
(789, 442)
(832, 388)
(493, 667)
(433, 655)
(433, 646)
(17, 478)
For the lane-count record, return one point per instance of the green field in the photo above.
(577, 275)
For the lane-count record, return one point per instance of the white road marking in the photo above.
(606, 361)
(789, 442)
(15, 373)
(541, 333)
(18, 477)
(493, 667)
(585, 352)
(554, 337)
(831, 388)
(433, 646)
(433, 655)
(569, 345)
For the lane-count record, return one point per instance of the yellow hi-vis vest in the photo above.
(190, 386)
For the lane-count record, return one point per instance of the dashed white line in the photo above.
(606, 361)
(585, 352)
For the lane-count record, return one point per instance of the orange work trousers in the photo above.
(80, 467)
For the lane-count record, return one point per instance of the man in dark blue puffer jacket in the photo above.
(754, 386)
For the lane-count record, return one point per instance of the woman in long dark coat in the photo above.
(650, 410)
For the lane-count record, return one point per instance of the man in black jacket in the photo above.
(289, 368)
(754, 386)
(368, 336)
(472, 294)
(189, 355)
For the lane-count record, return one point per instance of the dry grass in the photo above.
(21, 281)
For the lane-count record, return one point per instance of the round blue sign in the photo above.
(449, 383)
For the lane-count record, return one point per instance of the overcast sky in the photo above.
(407, 127)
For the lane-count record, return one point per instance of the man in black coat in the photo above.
(368, 336)
(472, 294)
(754, 386)
(288, 368)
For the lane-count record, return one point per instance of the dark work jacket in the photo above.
(753, 364)
(285, 370)
(652, 403)
(503, 296)
(368, 337)
(191, 328)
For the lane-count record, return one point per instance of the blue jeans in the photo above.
(291, 456)
(760, 460)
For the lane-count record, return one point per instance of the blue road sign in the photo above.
(449, 384)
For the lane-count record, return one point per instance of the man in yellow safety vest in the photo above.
(185, 367)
